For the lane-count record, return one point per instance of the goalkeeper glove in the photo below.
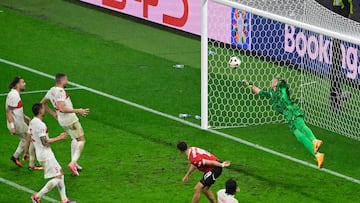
(247, 84)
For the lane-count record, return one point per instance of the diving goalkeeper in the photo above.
(281, 103)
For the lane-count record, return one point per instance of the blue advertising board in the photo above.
(294, 45)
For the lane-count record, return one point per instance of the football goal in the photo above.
(316, 50)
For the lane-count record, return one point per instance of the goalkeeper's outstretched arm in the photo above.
(251, 86)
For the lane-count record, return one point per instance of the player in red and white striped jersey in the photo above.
(205, 162)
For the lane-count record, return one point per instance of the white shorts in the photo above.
(75, 130)
(21, 129)
(21, 136)
(51, 168)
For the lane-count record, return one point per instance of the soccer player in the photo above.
(39, 136)
(66, 116)
(17, 121)
(227, 195)
(205, 162)
(282, 103)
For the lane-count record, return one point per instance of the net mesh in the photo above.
(323, 73)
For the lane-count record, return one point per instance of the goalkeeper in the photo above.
(281, 103)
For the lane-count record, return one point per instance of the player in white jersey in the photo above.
(66, 116)
(227, 195)
(17, 121)
(39, 135)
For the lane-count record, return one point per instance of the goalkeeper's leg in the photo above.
(301, 137)
(300, 125)
(309, 141)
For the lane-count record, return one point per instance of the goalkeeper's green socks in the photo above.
(301, 137)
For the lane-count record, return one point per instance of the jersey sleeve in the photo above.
(60, 96)
(39, 129)
(13, 100)
(47, 96)
(264, 94)
(42, 131)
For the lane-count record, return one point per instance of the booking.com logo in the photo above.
(317, 47)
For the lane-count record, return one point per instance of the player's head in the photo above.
(231, 187)
(17, 83)
(182, 146)
(61, 79)
(274, 82)
(38, 109)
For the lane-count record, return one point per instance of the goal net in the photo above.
(316, 50)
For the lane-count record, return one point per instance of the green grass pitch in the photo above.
(130, 154)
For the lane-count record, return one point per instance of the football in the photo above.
(234, 62)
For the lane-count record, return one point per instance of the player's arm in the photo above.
(47, 142)
(26, 148)
(27, 119)
(192, 168)
(256, 89)
(251, 86)
(44, 102)
(216, 163)
(62, 108)
(10, 119)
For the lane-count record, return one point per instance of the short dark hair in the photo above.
(230, 187)
(36, 108)
(14, 82)
(182, 146)
(59, 77)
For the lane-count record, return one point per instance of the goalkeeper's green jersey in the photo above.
(281, 101)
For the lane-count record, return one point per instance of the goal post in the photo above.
(204, 64)
(317, 51)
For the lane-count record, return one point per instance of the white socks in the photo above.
(73, 147)
(61, 188)
(78, 150)
(49, 186)
(20, 148)
(32, 155)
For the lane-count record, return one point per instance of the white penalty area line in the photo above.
(25, 189)
(348, 178)
(41, 91)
